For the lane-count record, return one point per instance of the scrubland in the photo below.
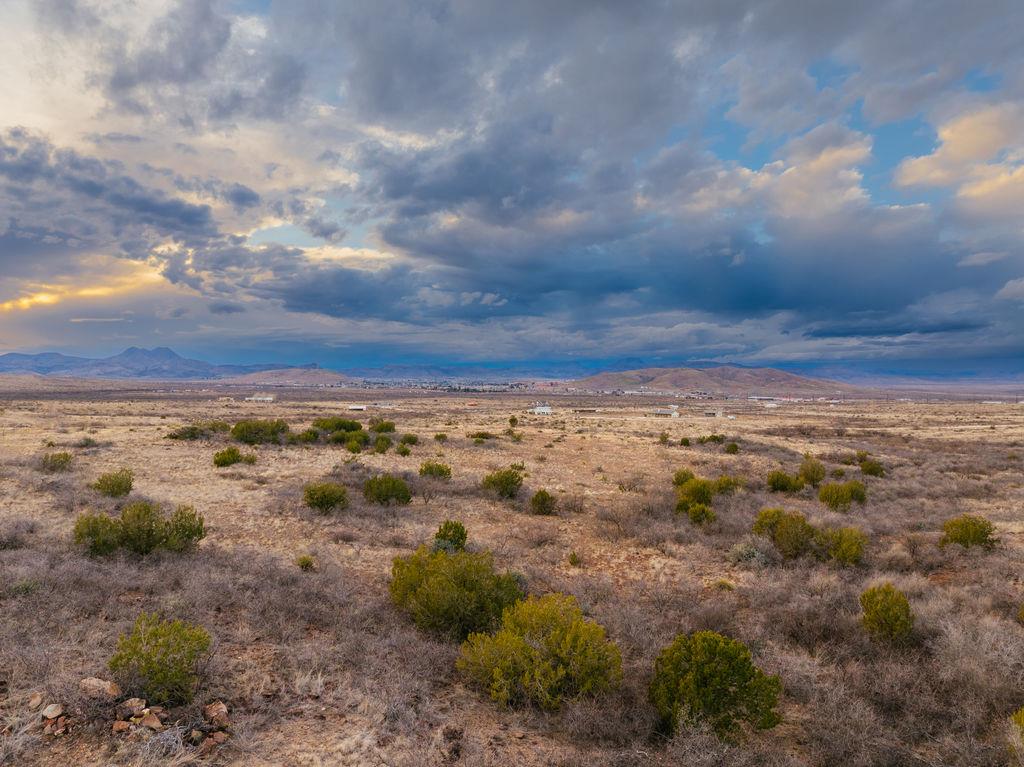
(287, 557)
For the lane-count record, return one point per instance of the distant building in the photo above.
(771, 405)
(713, 413)
(260, 398)
(357, 407)
(541, 410)
(664, 412)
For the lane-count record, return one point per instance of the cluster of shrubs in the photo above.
(838, 496)
(794, 537)
(141, 529)
(811, 472)
(54, 462)
(716, 439)
(385, 489)
(255, 431)
(115, 484)
(229, 456)
(435, 470)
(694, 494)
(200, 430)
(504, 482)
(160, 659)
(325, 497)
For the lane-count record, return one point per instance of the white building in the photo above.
(541, 410)
(357, 407)
(260, 398)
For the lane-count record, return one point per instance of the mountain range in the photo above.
(723, 379)
(158, 363)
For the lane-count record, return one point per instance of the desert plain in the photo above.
(318, 667)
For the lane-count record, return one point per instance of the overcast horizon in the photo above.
(574, 184)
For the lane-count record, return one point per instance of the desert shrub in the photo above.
(482, 435)
(332, 424)
(681, 477)
(100, 534)
(115, 484)
(663, 438)
(700, 513)
(382, 444)
(452, 594)
(781, 482)
(354, 446)
(450, 536)
(845, 545)
(142, 528)
(306, 437)
(360, 438)
(255, 431)
(504, 482)
(161, 659)
(872, 468)
(812, 471)
(325, 497)
(403, 450)
(436, 470)
(409, 439)
(766, 521)
(791, 533)
(706, 677)
(694, 490)
(380, 426)
(732, 448)
(839, 495)
(727, 485)
(441, 437)
(543, 503)
(544, 652)
(887, 615)
(54, 462)
(838, 473)
(714, 438)
(574, 559)
(386, 489)
(684, 442)
(305, 562)
(87, 442)
(200, 430)
(229, 456)
(968, 530)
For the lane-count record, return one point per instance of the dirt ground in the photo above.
(318, 668)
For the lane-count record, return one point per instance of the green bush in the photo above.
(845, 545)
(706, 677)
(403, 450)
(229, 456)
(887, 615)
(441, 437)
(684, 442)
(482, 435)
(732, 448)
(543, 503)
(142, 528)
(53, 462)
(791, 533)
(325, 497)
(254, 431)
(968, 530)
(812, 471)
(872, 468)
(715, 438)
(354, 446)
(452, 595)
(781, 482)
(545, 652)
(700, 513)
(839, 495)
(694, 490)
(306, 563)
(681, 477)
(663, 438)
(380, 426)
(382, 444)
(307, 437)
(409, 439)
(504, 482)
(436, 470)
(332, 424)
(727, 485)
(386, 489)
(200, 430)
(451, 536)
(115, 484)
(161, 659)
(767, 520)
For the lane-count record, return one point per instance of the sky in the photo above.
(478, 181)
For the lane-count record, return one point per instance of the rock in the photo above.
(53, 711)
(121, 726)
(131, 707)
(216, 713)
(207, 747)
(160, 712)
(196, 737)
(152, 721)
(219, 737)
(35, 701)
(95, 687)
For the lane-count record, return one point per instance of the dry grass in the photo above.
(318, 668)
